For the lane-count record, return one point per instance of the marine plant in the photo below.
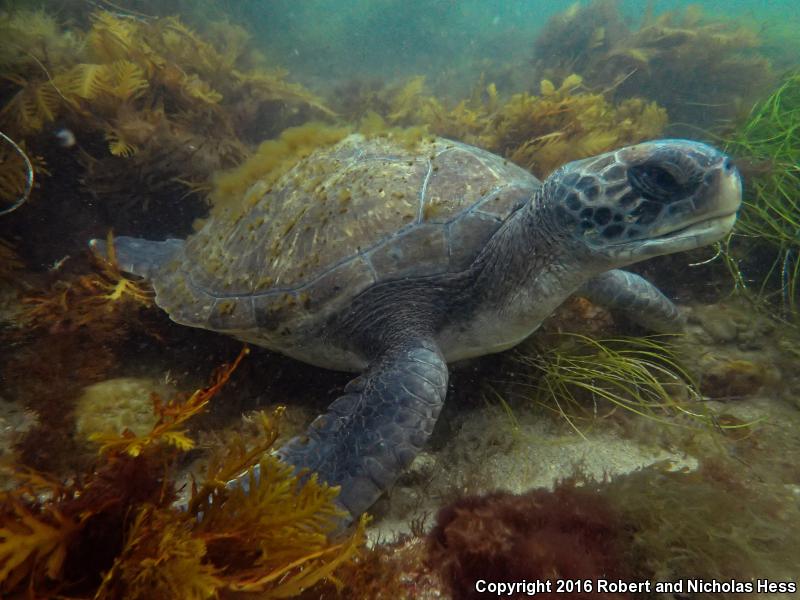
(67, 333)
(582, 378)
(152, 106)
(390, 569)
(16, 175)
(61, 521)
(768, 143)
(120, 63)
(570, 533)
(563, 123)
(171, 417)
(35, 47)
(88, 299)
(674, 59)
(571, 40)
(113, 532)
(568, 122)
(654, 524)
(269, 161)
(10, 262)
(713, 523)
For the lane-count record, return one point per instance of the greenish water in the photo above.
(245, 121)
(323, 37)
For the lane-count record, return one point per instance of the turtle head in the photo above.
(645, 200)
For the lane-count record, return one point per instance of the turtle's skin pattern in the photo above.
(393, 261)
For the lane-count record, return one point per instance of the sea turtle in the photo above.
(392, 261)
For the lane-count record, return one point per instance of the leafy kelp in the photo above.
(67, 332)
(88, 300)
(567, 123)
(113, 533)
(674, 59)
(563, 123)
(127, 65)
(153, 108)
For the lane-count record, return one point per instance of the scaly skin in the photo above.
(636, 297)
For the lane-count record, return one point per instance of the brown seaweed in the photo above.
(66, 334)
(563, 123)
(10, 262)
(155, 107)
(112, 531)
(673, 59)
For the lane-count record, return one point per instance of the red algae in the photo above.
(571, 533)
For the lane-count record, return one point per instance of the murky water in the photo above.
(559, 245)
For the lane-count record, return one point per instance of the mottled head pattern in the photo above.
(649, 199)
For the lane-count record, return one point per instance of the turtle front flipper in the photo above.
(637, 298)
(373, 432)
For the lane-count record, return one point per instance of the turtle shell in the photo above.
(361, 212)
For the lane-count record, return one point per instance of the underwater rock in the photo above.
(711, 523)
(721, 328)
(733, 379)
(732, 323)
(421, 469)
(114, 405)
(652, 524)
(736, 352)
(405, 502)
(409, 497)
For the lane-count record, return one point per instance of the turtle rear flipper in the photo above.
(372, 433)
(138, 256)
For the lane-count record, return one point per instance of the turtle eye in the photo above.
(654, 182)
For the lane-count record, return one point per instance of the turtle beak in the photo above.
(730, 187)
(718, 208)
